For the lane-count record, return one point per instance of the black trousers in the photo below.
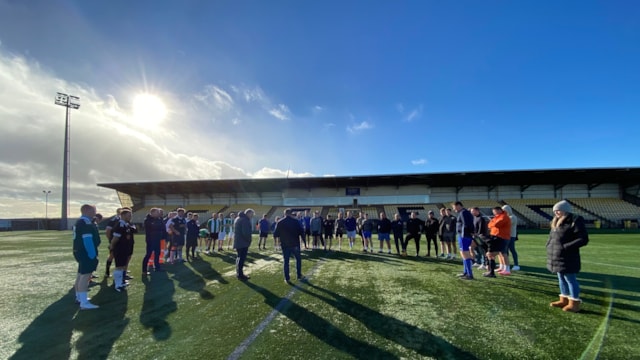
(416, 237)
(430, 238)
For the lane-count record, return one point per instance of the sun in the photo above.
(148, 110)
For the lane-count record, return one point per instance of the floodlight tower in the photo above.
(70, 102)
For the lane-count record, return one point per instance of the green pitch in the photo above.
(355, 305)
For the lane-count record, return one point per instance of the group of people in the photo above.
(479, 241)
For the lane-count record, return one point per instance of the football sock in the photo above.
(468, 263)
(492, 266)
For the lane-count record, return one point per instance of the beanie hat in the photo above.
(563, 205)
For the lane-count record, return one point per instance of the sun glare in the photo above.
(148, 110)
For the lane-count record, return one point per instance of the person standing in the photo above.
(302, 223)
(263, 228)
(514, 237)
(464, 232)
(290, 231)
(307, 227)
(431, 226)
(568, 234)
(480, 237)
(316, 230)
(276, 240)
(449, 233)
(221, 234)
(178, 226)
(327, 231)
(214, 225)
(86, 240)
(242, 240)
(229, 225)
(121, 245)
(341, 229)
(384, 232)
(350, 225)
(500, 231)
(108, 230)
(414, 227)
(443, 244)
(154, 229)
(397, 226)
(367, 232)
(193, 232)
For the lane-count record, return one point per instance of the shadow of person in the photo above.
(321, 328)
(49, 334)
(157, 304)
(189, 280)
(403, 334)
(102, 327)
(207, 272)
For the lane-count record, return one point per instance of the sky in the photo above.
(259, 89)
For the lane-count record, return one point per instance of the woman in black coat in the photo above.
(568, 234)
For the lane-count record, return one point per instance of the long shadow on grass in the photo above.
(321, 328)
(102, 327)
(609, 284)
(189, 280)
(49, 334)
(208, 272)
(403, 334)
(157, 304)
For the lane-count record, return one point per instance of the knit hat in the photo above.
(563, 205)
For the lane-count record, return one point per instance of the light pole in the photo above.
(73, 102)
(46, 208)
(46, 203)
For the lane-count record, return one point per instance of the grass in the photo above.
(354, 306)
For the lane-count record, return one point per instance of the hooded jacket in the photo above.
(568, 234)
(514, 220)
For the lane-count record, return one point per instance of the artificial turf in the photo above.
(354, 305)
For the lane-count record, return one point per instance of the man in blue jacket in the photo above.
(86, 240)
(289, 231)
(464, 232)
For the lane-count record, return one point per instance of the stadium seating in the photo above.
(612, 209)
(540, 211)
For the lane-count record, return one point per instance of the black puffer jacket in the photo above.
(563, 246)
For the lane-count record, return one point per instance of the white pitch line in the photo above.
(612, 265)
(267, 320)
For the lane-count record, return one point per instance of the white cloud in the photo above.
(268, 173)
(216, 97)
(364, 125)
(280, 112)
(414, 114)
(106, 147)
(419, 162)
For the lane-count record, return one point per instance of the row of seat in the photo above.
(537, 211)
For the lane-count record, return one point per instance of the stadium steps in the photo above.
(271, 212)
(631, 199)
(521, 218)
(604, 220)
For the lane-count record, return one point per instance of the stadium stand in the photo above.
(612, 209)
(540, 211)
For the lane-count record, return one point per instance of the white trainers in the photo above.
(515, 268)
(482, 267)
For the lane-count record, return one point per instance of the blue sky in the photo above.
(257, 88)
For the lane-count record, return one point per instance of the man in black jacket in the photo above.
(414, 226)
(384, 231)
(431, 227)
(290, 232)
